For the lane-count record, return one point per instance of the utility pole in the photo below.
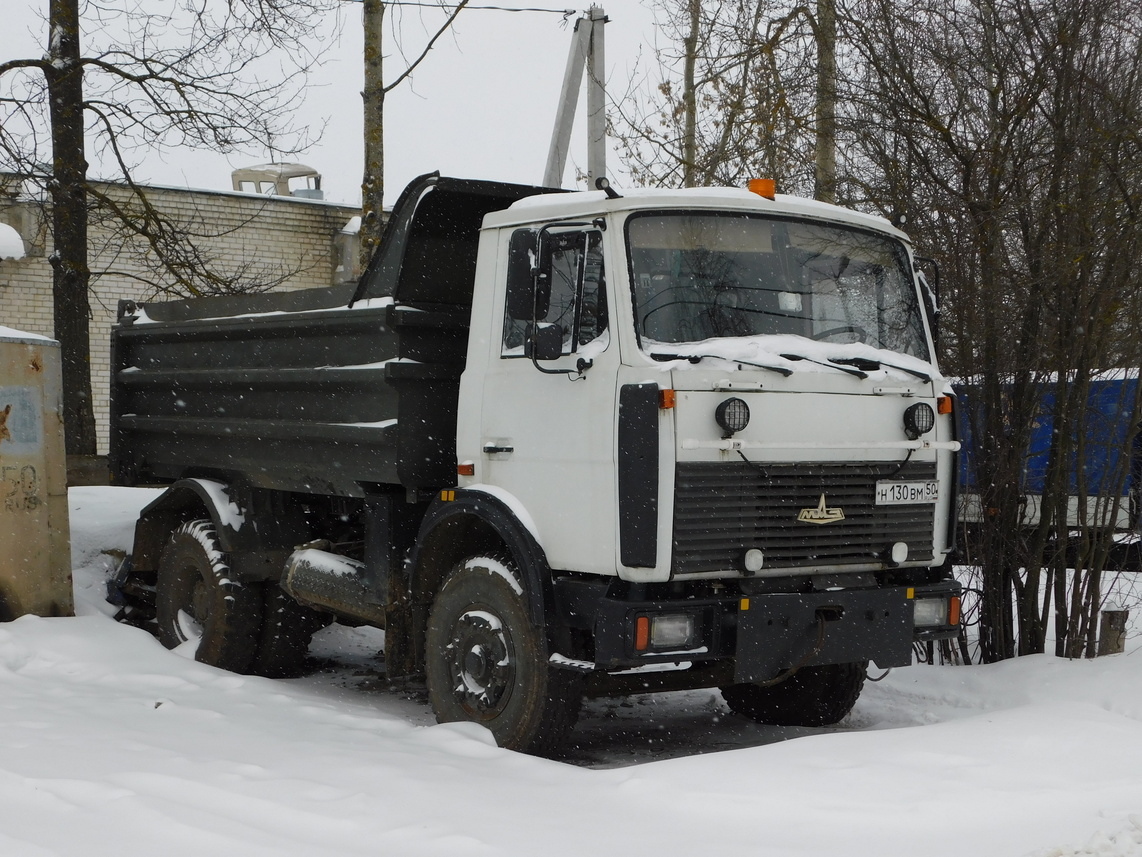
(587, 51)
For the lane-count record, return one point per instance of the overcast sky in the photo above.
(481, 106)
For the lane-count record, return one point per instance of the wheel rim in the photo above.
(200, 601)
(482, 664)
(193, 607)
(188, 627)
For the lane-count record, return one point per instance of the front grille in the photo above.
(723, 510)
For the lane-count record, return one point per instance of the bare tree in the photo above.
(733, 97)
(1006, 131)
(217, 76)
(373, 181)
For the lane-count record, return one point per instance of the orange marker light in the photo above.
(954, 610)
(763, 187)
(944, 405)
(641, 633)
(466, 469)
(666, 399)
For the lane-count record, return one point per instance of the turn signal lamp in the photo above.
(944, 405)
(641, 633)
(763, 187)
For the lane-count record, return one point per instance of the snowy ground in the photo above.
(111, 745)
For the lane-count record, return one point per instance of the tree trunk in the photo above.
(373, 182)
(70, 273)
(826, 161)
(690, 99)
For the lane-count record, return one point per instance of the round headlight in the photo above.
(919, 419)
(732, 415)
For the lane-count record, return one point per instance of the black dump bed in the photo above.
(327, 391)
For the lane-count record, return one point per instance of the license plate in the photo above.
(889, 493)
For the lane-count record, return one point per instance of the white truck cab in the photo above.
(744, 387)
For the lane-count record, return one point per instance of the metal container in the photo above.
(35, 550)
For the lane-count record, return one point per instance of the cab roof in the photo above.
(589, 204)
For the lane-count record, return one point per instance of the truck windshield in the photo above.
(708, 275)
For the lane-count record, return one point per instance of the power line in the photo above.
(566, 13)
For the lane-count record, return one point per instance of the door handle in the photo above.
(493, 449)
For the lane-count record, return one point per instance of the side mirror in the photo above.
(543, 342)
(931, 294)
(529, 296)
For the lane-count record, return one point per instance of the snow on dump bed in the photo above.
(140, 315)
(111, 746)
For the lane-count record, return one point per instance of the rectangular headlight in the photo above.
(672, 631)
(930, 611)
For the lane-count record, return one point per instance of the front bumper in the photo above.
(756, 637)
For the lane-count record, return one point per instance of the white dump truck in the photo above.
(558, 444)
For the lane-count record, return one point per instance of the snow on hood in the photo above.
(769, 350)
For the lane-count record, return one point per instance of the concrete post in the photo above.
(1112, 632)
(35, 548)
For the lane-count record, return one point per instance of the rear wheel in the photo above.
(196, 600)
(487, 663)
(812, 696)
(287, 629)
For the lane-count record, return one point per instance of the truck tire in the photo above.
(813, 696)
(195, 597)
(487, 663)
(287, 629)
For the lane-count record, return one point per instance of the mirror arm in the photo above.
(582, 365)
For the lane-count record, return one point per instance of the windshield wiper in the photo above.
(870, 365)
(697, 358)
(832, 364)
(784, 370)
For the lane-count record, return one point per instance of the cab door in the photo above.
(548, 411)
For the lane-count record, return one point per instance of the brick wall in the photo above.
(265, 238)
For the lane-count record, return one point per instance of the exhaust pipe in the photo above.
(333, 583)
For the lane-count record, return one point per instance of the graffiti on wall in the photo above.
(21, 442)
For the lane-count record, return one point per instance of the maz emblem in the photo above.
(822, 514)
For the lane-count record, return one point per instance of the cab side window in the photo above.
(571, 289)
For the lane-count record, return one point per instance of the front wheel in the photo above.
(196, 600)
(812, 696)
(487, 663)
